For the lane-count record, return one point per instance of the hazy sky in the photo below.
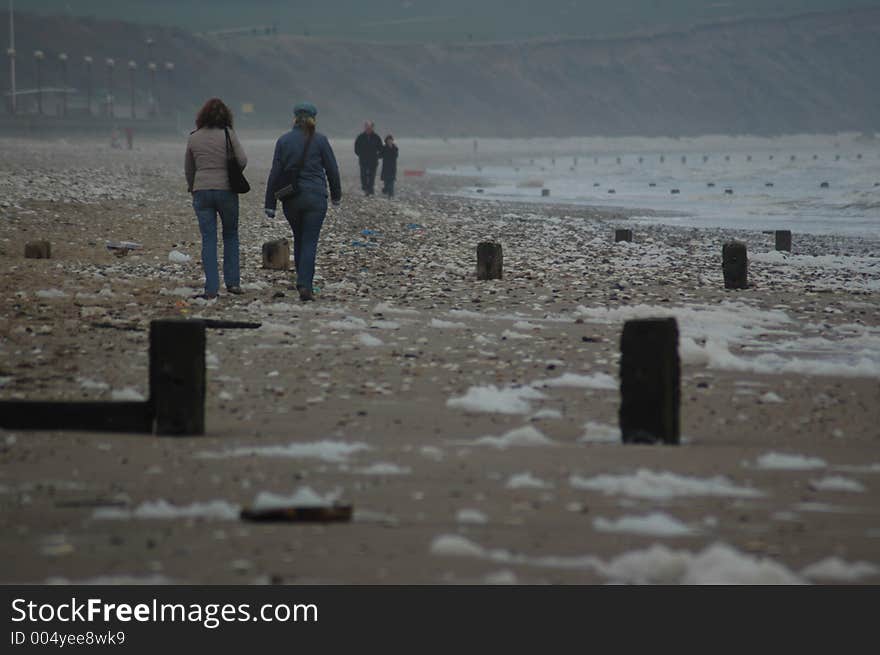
(455, 20)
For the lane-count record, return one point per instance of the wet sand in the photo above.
(400, 327)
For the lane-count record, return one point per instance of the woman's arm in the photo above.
(328, 160)
(189, 168)
(272, 182)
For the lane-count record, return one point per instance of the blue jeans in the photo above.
(305, 212)
(207, 205)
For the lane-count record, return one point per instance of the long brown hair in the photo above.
(214, 113)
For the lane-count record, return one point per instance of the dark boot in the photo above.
(305, 294)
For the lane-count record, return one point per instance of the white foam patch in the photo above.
(491, 399)
(601, 381)
(786, 462)
(183, 292)
(503, 577)
(329, 451)
(348, 323)
(446, 325)
(128, 393)
(302, 497)
(838, 570)
(524, 436)
(385, 325)
(837, 483)
(368, 340)
(92, 385)
(220, 510)
(113, 580)
(48, 294)
(384, 468)
(657, 524)
(601, 433)
(473, 516)
(544, 414)
(525, 325)
(708, 333)
(716, 564)
(648, 484)
(510, 334)
(526, 481)
(431, 452)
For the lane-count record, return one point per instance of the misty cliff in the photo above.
(813, 73)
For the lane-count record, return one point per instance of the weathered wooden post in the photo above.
(650, 394)
(38, 250)
(490, 261)
(735, 265)
(276, 255)
(623, 235)
(177, 376)
(783, 240)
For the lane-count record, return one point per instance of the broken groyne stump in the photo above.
(735, 265)
(545, 193)
(38, 250)
(623, 235)
(783, 240)
(650, 381)
(177, 376)
(276, 255)
(490, 261)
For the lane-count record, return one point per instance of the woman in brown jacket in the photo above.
(208, 182)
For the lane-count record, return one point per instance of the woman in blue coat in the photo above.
(305, 162)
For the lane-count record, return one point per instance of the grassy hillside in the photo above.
(812, 73)
(450, 20)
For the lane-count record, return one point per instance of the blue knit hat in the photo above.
(306, 109)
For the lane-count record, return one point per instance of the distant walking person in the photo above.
(303, 166)
(389, 166)
(207, 180)
(368, 148)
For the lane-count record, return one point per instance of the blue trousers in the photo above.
(305, 212)
(207, 205)
(368, 175)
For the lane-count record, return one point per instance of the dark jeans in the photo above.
(207, 205)
(305, 212)
(368, 176)
(388, 187)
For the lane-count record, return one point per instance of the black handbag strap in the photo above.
(229, 147)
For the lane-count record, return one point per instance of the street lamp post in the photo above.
(10, 51)
(62, 59)
(169, 69)
(132, 67)
(88, 60)
(153, 96)
(38, 59)
(110, 64)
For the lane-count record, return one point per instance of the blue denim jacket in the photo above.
(318, 170)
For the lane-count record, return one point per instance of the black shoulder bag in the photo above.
(292, 187)
(237, 181)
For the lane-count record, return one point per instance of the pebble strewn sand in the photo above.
(349, 397)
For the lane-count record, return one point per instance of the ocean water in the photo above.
(701, 170)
